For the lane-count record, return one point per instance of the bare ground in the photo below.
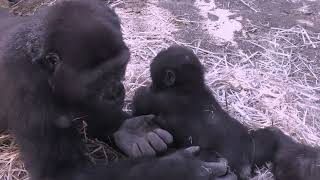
(261, 59)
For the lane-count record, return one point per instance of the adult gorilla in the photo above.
(66, 62)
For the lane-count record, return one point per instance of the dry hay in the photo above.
(12, 168)
(4, 4)
(276, 83)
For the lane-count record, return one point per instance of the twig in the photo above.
(246, 4)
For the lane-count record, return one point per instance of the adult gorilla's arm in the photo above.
(179, 165)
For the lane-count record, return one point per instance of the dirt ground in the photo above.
(261, 57)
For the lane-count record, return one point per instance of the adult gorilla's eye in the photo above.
(51, 60)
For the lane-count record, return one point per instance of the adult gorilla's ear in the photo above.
(48, 61)
(170, 78)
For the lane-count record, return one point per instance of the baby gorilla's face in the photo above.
(176, 66)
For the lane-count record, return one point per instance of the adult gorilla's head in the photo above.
(67, 60)
(84, 54)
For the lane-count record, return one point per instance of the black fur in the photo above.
(8, 22)
(186, 107)
(179, 165)
(67, 60)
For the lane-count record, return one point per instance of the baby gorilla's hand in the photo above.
(140, 136)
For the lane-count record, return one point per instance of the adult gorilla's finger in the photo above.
(149, 117)
(146, 119)
(165, 135)
(156, 142)
(135, 151)
(192, 150)
(230, 176)
(217, 168)
(146, 149)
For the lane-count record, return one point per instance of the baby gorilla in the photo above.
(186, 107)
(291, 160)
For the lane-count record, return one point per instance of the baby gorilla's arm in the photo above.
(147, 101)
(143, 102)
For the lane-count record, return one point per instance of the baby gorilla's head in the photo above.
(176, 66)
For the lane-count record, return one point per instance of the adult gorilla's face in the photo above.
(86, 62)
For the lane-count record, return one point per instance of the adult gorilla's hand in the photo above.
(182, 164)
(215, 170)
(140, 136)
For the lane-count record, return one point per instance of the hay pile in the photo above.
(273, 81)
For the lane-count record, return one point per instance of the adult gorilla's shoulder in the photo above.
(8, 24)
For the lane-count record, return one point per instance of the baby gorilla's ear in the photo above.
(169, 78)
